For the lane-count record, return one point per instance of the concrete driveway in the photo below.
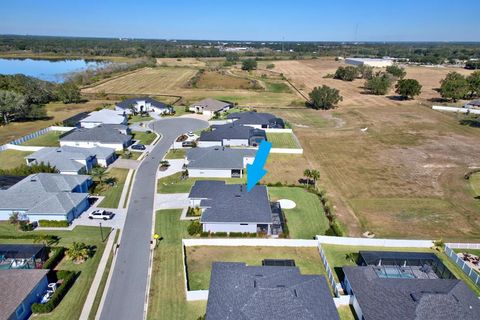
(127, 291)
(125, 164)
(171, 201)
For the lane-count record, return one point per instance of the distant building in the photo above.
(230, 208)
(232, 135)
(72, 160)
(240, 292)
(104, 116)
(19, 289)
(143, 104)
(218, 162)
(106, 135)
(210, 106)
(372, 62)
(48, 196)
(259, 120)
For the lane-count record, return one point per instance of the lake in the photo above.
(50, 70)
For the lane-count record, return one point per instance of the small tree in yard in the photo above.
(396, 71)
(408, 88)
(79, 252)
(379, 84)
(249, 64)
(14, 219)
(324, 97)
(454, 86)
(99, 173)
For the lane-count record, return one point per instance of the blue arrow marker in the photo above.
(255, 171)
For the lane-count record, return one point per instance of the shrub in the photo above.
(336, 229)
(346, 73)
(324, 97)
(219, 234)
(55, 258)
(53, 223)
(68, 280)
(379, 84)
(194, 228)
(25, 226)
(204, 234)
(396, 71)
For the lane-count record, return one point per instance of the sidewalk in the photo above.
(87, 307)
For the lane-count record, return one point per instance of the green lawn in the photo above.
(139, 118)
(167, 290)
(307, 219)
(180, 110)
(49, 139)
(113, 193)
(134, 155)
(475, 184)
(176, 154)
(346, 313)
(145, 138)
(10, 159)
(282, 140)
(71, 305)
(337, 258)
(277, 87)
(175, 183)
(200, 259)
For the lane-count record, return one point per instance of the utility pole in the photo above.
(101, 230)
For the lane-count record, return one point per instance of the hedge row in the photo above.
(68, 280)
(53, 223)
(27, 236)
(55, 258)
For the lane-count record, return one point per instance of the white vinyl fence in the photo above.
(331, 278)
(472, 274)
(349, 241)
(34, 135)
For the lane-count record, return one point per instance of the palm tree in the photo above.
(315, 175)
(78, 252)
(46, 239)
(14, 219)
(98, 173)
(308, 174)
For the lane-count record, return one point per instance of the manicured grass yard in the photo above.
(145, 138)
(134, 155)
(12, 158)
(307, 219)
(346, 313)
(71, 305)
(49, 139)
(176, 154)
(139, 118)
(337, 258)
(113, 193)
(167, 290)
(175, 184)
(475, 183)
(200, 259)
(282, 140)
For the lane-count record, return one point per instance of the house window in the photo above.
(244, 224)
(20, 311)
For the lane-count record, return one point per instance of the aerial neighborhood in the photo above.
(176, 179)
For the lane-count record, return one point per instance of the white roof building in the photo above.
(372, 62)
(104, 116)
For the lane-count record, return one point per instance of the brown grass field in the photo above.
(217, 80)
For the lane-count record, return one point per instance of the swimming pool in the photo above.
(394, 272)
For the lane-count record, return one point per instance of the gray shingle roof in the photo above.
(231, 202)
(44, 193)
(106, 116)
(250, 117)
(418, 299)
(230, 131)
(240, 292)
(212, 104)
(105, 133)
(217, 158)
(127, 103)
(15, 286)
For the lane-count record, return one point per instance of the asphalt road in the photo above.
(127, 291)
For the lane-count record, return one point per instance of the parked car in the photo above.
(101, 214)
(139, 146)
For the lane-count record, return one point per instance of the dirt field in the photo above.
(217, 80)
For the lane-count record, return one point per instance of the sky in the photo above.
(262, 20)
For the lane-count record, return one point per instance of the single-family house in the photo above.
(218, 162)
(210, 106)
(104, 116)
(106, 135)
(48, 196)
(72, 160)
(256, 120)
(408, 286)
(19, 289)
(143, 104)
(239, 292)
(230, 135)
(230, 208)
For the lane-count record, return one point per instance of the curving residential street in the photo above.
(126, 293)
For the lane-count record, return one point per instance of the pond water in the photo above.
(50, 70)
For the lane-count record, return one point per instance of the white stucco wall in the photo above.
(209, 173)
(229, 227)
(205, 144)
(89, 125)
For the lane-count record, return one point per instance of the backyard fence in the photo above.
(452, 255)
(250, 242)
(331, 278)
(349, 241)
(286, 150)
